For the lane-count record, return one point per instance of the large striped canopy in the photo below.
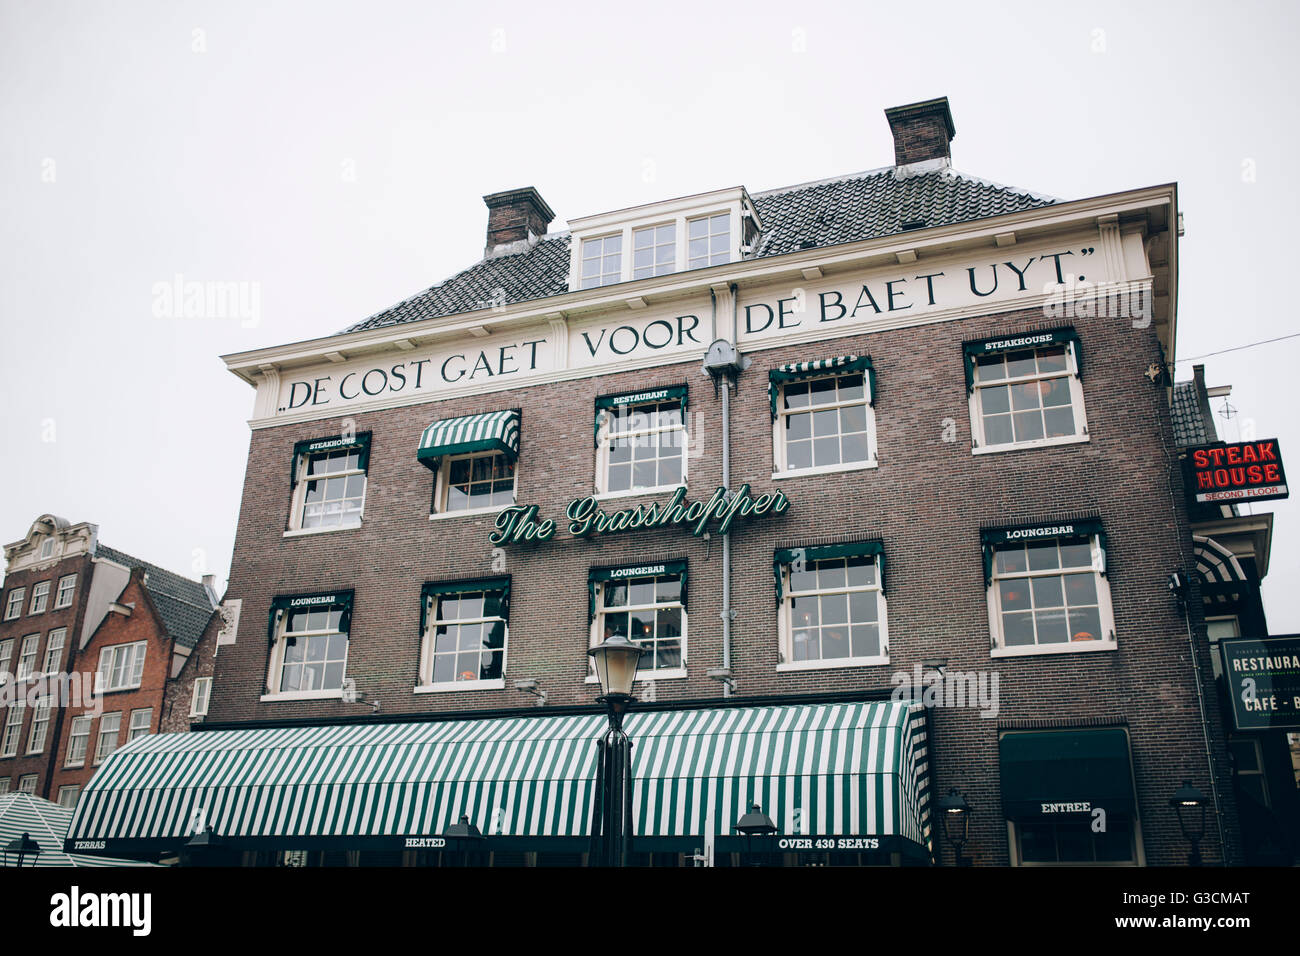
(852, 769)
(47, 824)
(490, 431)
(1221, 573)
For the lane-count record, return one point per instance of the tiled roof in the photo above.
(848, 209)
(183, 604)
(1190, 427)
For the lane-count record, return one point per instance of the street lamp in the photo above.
(195, 852)
(467, 836)
(24, 847)
(956, 823)
(752, 824)
(1190, 806)
(615, 661)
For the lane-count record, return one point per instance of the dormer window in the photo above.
(662, 238)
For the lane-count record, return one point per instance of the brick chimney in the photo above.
(515, 215)
(922, 131)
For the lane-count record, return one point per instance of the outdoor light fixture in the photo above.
(529, 686)
(615, 659)
(956, 823)
(467, 835)
(196, 847)
(24, 848)
(752, 824)
(1190, 806)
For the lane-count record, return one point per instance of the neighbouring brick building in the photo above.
(942, 409)
(74, 609)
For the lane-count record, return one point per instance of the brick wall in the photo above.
(926, 500)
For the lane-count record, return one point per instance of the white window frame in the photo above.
(6, 658)
(1071, 372)
(70, 790)
(27, 783)
(137, 727)
(709, 234)
(597, 634)
(1105, 610)
(13, 730)
(47, 549)
(113, 720)
(1216, 658)
(656, 268)
(108, 663)
(54, 642)
(427, 683)
(204, 696)
(72, 758)
(779, 466)
(14, 603)
(27, 656)
(39, 728)
(299, 502)
(4, 785)
(786, 628)
(275, 673)
(442, 486)
(603, 277)
(607, 437)
(63, 595)
(40, 596)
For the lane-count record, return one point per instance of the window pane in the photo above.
(1020, 363)
(1014, 595)
(835, 642)
(1042, 555)
(1051, 359)
(995, 400)
(1010, 559)
(1051, 626)
(835, 609)
(1085, 624)
(1047, 592)
(866, 640)
(1018, 629)
(798, 455)
(1080, 589)
(997, 430)
(861, 572)
(1076, 553)
(855, 448)
(830, 575)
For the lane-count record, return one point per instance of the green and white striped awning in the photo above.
(47, 824)
(851, 769)
(490, 431)
(839, 365)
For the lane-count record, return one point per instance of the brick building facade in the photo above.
(899, 521)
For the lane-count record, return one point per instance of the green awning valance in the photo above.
(1025, 340)
(607, 405)
(784, 557)
(321, 601)
(490, 431)
(1053, 773)
(315, 446)
(597, 576)
(854, 769)
(990, 538)
(432, 590)
(840, 365)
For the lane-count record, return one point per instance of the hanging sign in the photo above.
(1242, 471)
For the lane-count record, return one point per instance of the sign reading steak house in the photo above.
(1244, 470)
(520, 523)
(876, 299)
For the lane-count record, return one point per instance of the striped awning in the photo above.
(47, 824)
(848, 769)
(1221, 573)
(840, 365)
(490, 431)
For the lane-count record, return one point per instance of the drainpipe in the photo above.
(727, 611)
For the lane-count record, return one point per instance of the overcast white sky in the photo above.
(336, 153)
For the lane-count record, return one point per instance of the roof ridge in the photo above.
(1043, 197)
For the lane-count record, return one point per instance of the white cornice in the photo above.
(939, 240)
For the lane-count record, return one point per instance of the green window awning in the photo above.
(840, 365)
(612, 404)
(784, 557)
(320, 601)
(360, 442)
(598, 576)
(990, 538)
(490, 431)
(852, 769)
(1053, 773)
(1025, 340)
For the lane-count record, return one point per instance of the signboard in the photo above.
(1243, 471)
(1263, 677)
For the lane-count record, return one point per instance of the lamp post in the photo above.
(467, 836)
(1189, 803)
(615, 659)
(752, 824)
(956, 823)
(195, 852)
(23, 847)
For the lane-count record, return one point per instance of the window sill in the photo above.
(1069, 647)
(302, 532)
(673, 673)
(634, 492)
(461, 685)
(825, 470)
(1031, 445)
(469, 512)
(833, 663)
(74, 766)
(303, 695)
